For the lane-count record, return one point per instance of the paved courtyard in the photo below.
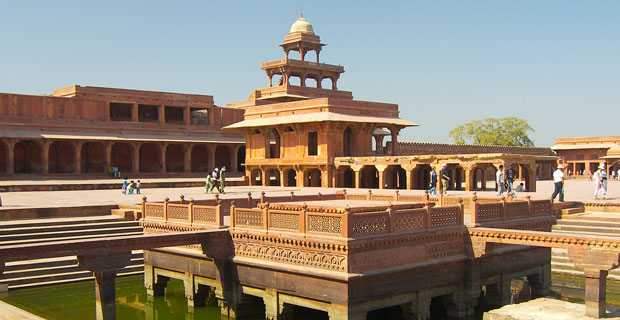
(575, 190)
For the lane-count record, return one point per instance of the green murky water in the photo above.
(76, 301)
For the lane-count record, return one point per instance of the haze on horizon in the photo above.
(553, 63)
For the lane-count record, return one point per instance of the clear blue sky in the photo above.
(554, 63)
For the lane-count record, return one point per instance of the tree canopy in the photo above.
(510, 131)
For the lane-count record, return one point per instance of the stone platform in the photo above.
(545, 309)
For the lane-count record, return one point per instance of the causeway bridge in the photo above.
(344, 254)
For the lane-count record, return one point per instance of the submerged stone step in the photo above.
(22, 223)
(69, 227)
(65, 277)
(26, 241)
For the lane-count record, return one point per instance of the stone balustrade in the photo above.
(504, 211)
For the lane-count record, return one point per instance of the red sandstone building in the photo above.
(582, 156)
(86, 130)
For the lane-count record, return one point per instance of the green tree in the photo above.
(510, 131)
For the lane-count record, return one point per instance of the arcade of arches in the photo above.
(401, 173)
(32, 156)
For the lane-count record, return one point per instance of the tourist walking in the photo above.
(599, 190)
(444, 179)
(499, 180)
(138, 185)
(510, 178)
(558, 181)
(433, 184)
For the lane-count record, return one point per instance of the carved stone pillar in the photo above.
(10, 155)
(78, 157)
(235, 161)
(337, 312)
(163, 147)
(104, 268)
(161, 114)
(135, 159)
(265, 177)
(419, 309)
(300, 177)
(469, 177)
(212, 155)
(409, 174)
(187, 160)
(107, 157)
(357, 169)
(45, 157)
(499, 294)
(155, 285)
(275, 309)
(381, 171)
(134, 113)
(187, 116)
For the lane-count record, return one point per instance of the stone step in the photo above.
(587, 222)
(23, 223)
(110, 229)
(76, 279)
(589, 233)
(91, 236)
(67, 227)
(63, 277)
(592, 217)
(35, 272)
(52, 263)
(586, 229)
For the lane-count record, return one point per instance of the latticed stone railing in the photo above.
(504, 211)
(184, 212)
(346, 222)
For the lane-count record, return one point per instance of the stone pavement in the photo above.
(9, 312)
(575, 190)
(545, 309)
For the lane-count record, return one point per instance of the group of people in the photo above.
(504, 181)
(130, 187)
(113, 172)
(216, 179)
(443, 175)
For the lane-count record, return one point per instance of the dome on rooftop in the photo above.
(301, 26)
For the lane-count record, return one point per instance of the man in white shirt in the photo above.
(558, 180)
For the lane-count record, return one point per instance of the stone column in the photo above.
(275, 309)
(212, 154)
(357, 169)
(187, 166)
(282, 176)
(78, 157)
(235, 161)
(337, 312)
(107, 157)
(163, 146)
(419, 309)
(135, 159)
(187, 116)
(381, 171)
(155, 285)
(409, 173)
(45, 157)
(134, 113)
(10, 156)
(596, 292)
(300, 177)
(469, 177)
(195, 294)
(161, 114)
(104, 268)
(499, 294)
(483, 182)
(325, 181)
(394, 132)
(265, 177)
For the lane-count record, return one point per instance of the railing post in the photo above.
(397, 196)
(166, 199)
(529, 206)
(346, 222)
(191, 210)
(461, 216)
(369, 194)
(219, 219)
(265, 212)
(144, 207)
(233, 214)
(473, 221)
(391, 217)
(302, 219)
(427, 218)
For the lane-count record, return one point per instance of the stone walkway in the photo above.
(575, 190)
(9, 312)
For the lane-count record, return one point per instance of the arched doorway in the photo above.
(61, 157)
(347, 142)
(241, 159)
(256, 177)
(27, 157)
(369, 177)
(274, 177)
(291, 178)
(150, 158)
(273, 149)
(175, 158)
(348, 178)
(395, 177)
(93, 158)
(200, 158)
(121, 156)
(222, 156)
(313, 178)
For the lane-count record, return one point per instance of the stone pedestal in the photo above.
(596, 292)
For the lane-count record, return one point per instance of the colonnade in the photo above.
(463, 176)
(49, 156)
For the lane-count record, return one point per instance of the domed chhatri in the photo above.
(301, 26)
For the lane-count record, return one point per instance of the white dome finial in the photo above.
(301, 26)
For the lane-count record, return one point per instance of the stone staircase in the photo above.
(583, 224)
(20, 274)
